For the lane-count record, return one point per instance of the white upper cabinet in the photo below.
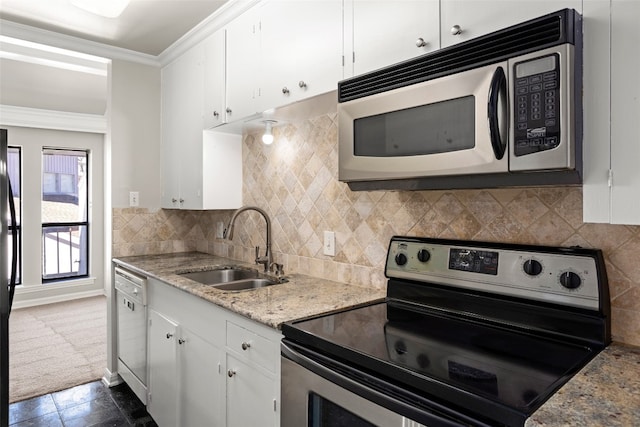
(383, 32)
(200, 169)
(466, 19)
(242, 66)
(213, 112)
(612, 108)
(301, 50)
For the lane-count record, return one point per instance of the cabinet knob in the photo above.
(173, 200)
(302, 84)
(181, 201)
(169, 335)
(181, 341)
(285, 90)
(228, 110)
(246, 345)
(231, 373)
(456, 30)
(216, 114)
(420, 42)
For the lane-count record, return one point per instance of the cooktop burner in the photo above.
(493, 330)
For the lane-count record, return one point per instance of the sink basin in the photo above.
(232, 279)
(243, 285)
(214, 277)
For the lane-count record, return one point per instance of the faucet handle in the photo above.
(279, 269)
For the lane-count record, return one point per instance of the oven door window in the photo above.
(440, 127)
(325, 413)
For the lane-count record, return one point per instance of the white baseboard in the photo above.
(111, 379)
(57, 298)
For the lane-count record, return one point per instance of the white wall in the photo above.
(135, 133)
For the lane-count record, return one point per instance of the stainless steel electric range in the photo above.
(470, 334)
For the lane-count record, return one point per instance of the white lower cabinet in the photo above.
(209, 366)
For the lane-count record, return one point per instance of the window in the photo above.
(13, 168)
(65, 249)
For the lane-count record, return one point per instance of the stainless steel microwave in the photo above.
(503, 109)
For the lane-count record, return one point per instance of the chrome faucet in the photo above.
(267, 259)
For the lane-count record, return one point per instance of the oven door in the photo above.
(317, 395)
(453, 125)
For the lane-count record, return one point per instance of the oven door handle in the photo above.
(421, 415)
(497, 110)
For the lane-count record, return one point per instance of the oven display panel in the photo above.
(484, 262)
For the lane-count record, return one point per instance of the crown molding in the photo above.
(11, 115)
(51, 38)
(214, 22)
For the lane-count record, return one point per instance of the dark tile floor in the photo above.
(92, 404)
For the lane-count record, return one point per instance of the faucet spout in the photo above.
(267, 259)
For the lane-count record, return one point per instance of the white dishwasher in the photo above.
(131, 305)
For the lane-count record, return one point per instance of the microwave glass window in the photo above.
(441, 127)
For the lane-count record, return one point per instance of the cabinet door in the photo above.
(478, 17)
(385, 32)
(214, 68)
(625, 112)
(251, 396)
(301, 50)
(243, 66)
(182, 130)
(201, 382)
(163, 373)
(170, 149)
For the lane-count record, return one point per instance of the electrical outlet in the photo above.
(329, 246)
(219, 230)
(134, 198)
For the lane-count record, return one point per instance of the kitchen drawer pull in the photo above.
(456, 30)
(246, 345)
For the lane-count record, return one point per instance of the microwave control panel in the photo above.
(537, 105)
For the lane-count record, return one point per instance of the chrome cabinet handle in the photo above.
(181, 201)
(456, 30)
(231, 373)
(173, 200)
(216, 114)
(228, 110)
(302, 84)
(246, 345)
(181, 341)
(285, 90)
(169, 335)
(420, 42)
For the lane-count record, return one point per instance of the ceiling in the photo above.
(33, 77)
(145, 26)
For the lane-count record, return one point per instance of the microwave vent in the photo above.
(540, 33)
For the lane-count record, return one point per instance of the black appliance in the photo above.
(8, 270)
(470, 334)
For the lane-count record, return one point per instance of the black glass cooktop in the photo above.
(448, 358)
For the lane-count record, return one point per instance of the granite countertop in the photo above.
(606, 392)
(302, 296)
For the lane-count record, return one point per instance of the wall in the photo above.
(295, 180)
(135, 133)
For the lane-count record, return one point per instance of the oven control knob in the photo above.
(570, 280)
(424, 255)
(532, 267)
(401, 259)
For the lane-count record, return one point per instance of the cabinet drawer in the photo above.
(252, 347)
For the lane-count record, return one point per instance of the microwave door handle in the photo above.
(497, 107)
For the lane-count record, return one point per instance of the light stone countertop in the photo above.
(302, 296)
(606, 392)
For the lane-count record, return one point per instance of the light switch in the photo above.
(329, 246)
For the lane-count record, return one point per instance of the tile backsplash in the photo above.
(295, 181)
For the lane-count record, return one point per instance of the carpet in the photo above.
(56, 346)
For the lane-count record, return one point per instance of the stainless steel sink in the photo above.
(232, 279)
(214, 277)
(243, 285)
